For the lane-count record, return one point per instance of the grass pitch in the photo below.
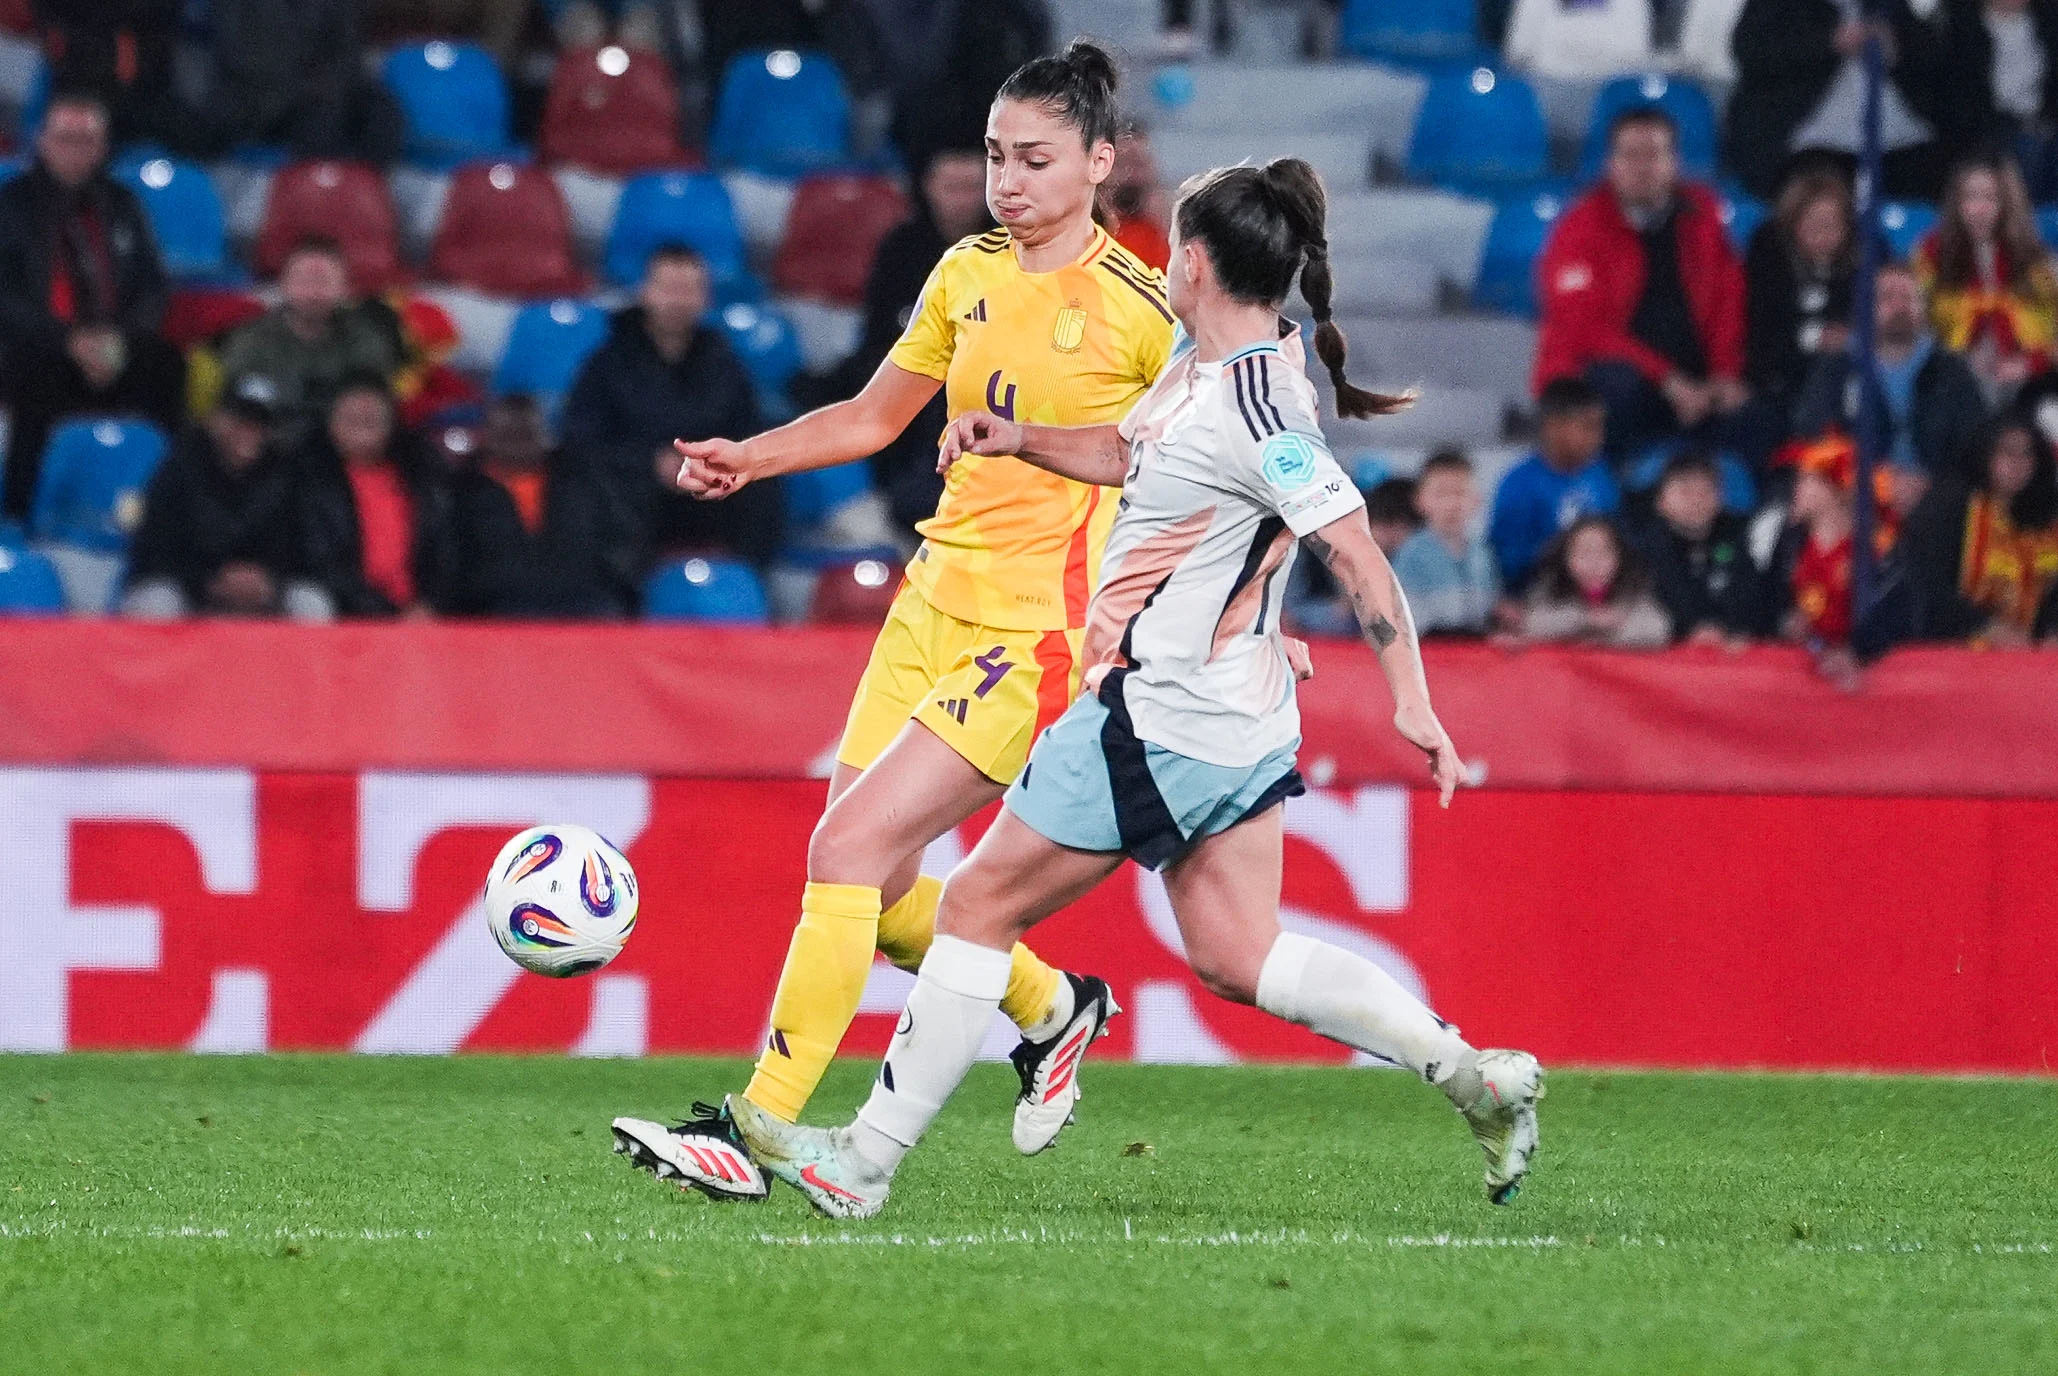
(293, 1214)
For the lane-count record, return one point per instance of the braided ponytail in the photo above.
(1297, 191)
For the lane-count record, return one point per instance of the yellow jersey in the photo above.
(1011, 546)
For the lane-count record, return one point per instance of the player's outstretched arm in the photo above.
(1087, 453)
(1347, 547)
(838, 433)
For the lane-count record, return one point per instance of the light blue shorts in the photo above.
(1090, 784)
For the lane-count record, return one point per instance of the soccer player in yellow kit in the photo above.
(1049, 321)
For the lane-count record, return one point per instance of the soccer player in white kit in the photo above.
(1183, 741)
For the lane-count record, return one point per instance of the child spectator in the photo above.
(1445, 568)
(1390, 508)
(1799, 275)
(1565, 479)
(1992, 294)
(1817, 557)
(222, 529)
(1699, 556)
(535, 534)
(1591, 589)
(378, 508)
(1983, 549)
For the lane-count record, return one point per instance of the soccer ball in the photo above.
(560, 900)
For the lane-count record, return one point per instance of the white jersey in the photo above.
(1227, 468)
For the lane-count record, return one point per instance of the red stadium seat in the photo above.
(832, 233)
(17, 16)
(344, 201)
(612, 110)
(506, 231)
(858, 594)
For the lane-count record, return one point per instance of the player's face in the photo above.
(1040, 177)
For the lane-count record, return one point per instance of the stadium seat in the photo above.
(814, 495)
(455, 101)
(857, 593)
(545, 348)
(505, 231)
(782, 113)
(833, 233)
(614, 111)
(1904, 223)
(29, 585)
(2047, 223)
(690, 207)
(1479, 130)
(764, 339)
(1507, 266)
(1411, 30)
(1741, 215)
(185, 214)
(706, 590)
(345, 201)
(1687, 103)
(90, 493)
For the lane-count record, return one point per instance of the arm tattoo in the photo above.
(1379, 631)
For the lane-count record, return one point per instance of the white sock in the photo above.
(953, 1003)
(1053, 1021)
(1348, 999)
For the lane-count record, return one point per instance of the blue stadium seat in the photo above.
(1479, 131)
(816, 494)
(1741, 216)
(28, 584)
(2047, 223)
(690, 207)
(90, 493)
(1904, 223)
(455, 101)
(1687, 103)
(1507, 266)
(1411, 30)
(764, 339)
(186, 215)
(706, 590)
(783, 113)
(545, 347)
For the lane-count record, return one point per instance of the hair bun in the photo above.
(1091, 63)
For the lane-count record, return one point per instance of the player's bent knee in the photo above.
(1224, 978)
(972, 909)
(840, 853)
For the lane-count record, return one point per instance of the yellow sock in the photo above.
(907, 928)
(826, 967)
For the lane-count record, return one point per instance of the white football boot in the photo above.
(1503, 1119)
(703, 1153)
(819, 1162)
(1050, 1068)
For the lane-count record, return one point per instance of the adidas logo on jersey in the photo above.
(977, 312)
(955, 708)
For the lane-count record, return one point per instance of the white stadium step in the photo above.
(1483, 352)
(1433, 227)
(1343, 159)
(1341, 98)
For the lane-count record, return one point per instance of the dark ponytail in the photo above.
(1260, 226)
(1077, 85)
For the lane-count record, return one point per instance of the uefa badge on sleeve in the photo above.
(1289, 461)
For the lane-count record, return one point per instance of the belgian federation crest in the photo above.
(1070, 331)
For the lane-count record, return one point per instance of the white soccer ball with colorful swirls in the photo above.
(561, 900)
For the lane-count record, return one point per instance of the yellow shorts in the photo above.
(986, 692)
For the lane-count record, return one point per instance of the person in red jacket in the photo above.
(1644, 297)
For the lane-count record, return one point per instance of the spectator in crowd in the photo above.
(1799, 272)
(590, 23)
(1134, 200)
(312, 340)
(949, 203)
(123, 53)
(1314, 603)
(82, 293)
(1930, 403)
(945, 60)
(495, 25)
(292, 73)
(377, 509)
(2000, 83)
(1699, 557)
(662, 374)
(1982, 549)
(1565, 479)
(1643, 296)
(1591, 589)
(1801, 86)
(1445, 567)
(1992, 294)
(222, 529)
(1816, 561)
(535, 533)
